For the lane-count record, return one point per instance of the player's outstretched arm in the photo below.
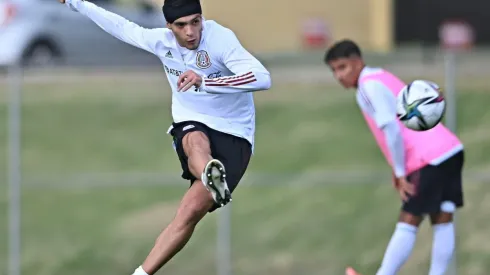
(116, 25)
(250, 74)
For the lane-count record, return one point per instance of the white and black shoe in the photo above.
(214, 179)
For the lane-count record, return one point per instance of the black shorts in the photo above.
(234, 152)
(436, 184)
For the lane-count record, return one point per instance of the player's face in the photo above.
(345, 70)
(187, 30)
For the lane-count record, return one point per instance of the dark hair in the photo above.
(342, 49)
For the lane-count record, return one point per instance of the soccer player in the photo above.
(212, 78)
(427, 165)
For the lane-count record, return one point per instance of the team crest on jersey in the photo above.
(202, 60)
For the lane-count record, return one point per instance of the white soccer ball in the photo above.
(421, 105)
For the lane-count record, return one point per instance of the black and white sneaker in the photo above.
(214, 179)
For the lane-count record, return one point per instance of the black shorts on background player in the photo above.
(436, 184)
(234, 152)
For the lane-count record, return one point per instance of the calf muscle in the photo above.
(193, 207)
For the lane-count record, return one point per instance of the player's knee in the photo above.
(445, 215)
(196, 143)
(440, 218)
(411, 219)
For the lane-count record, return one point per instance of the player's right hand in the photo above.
(405, 188)
(187, 80)
(62, 1)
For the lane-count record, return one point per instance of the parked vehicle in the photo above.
(44, 33)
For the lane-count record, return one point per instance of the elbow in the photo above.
(265, 81)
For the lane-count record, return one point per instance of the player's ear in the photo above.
(358, 61)
(169, 26)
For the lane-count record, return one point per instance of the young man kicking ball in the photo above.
(212, 77)
(427, 166)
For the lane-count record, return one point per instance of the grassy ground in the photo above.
(293, 227)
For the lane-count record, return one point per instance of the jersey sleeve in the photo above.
(394, 141)
(249, 74)
(118, 26)
(379, 101)
(380, 105)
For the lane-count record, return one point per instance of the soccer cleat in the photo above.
(351, 271)
(214, 179)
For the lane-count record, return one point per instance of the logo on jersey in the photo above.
(169, 55)
(172, 71)
(215, 75)
(202, 60)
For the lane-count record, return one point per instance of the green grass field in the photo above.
(298, 225)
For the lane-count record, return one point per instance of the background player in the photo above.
(427, 166)
(212, 77)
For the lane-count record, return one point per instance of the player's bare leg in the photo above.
(194, 206)
(401, 244)
(443, 243)
(198, 151)
(211, 171)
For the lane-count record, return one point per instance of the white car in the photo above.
(44, 32)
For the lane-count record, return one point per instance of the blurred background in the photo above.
(100, 178)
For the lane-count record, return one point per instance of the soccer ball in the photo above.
(421, 105)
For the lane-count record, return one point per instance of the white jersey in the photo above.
(230, 73)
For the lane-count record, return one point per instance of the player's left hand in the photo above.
(187, 80)
(405, 188)
(393, 180)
